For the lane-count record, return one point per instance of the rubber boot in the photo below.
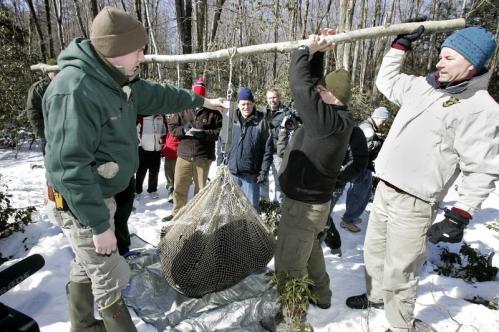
(117, 318)
(81, 309)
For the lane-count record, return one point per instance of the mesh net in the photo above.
(215, 241)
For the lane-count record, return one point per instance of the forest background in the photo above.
(33, 31)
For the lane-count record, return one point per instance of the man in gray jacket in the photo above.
(446, 126)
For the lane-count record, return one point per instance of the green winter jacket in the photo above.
(34, 105)
(90, 121)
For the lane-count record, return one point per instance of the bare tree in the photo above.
(60, 27)
(83, 30)
(183, 9)
(94, 8)
(49, 29)
(359, 43)
(200, 24)
(304, 20)
(216, 18)
(43, 49)
(431, 45)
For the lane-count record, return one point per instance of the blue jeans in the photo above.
(250, 188)
(358, 196)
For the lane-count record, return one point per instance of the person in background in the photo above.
(360, 191)
(250, 154)
(355, 163)
(124, 208)
(34, 103)
(151, 131)
(198, 130)
(169, 151)
(275, 112)
(446, 127)
(89, 111)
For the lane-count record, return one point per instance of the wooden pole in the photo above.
(283, 47)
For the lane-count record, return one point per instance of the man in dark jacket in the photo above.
(360, 191)
(311, 164)
(275, 112)
(89, 111)
(34, 104)
(198, 130)
(250, 154)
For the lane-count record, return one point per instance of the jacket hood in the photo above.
(81, 54)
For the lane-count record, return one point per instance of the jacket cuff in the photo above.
(100, 228)
(399, 47)
(462, 213)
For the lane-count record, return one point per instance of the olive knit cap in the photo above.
(116, 33)
(338, 83)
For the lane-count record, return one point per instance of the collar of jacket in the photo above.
(114, 72)
(249, 119)
(477, 82)
(339, 107)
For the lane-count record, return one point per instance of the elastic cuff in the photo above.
(462, 213)
(399, 47)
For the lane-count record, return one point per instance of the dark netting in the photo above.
(215, 241)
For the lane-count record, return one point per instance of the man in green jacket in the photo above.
(90, 110)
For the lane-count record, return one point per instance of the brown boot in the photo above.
(117, 318)
(81, 309)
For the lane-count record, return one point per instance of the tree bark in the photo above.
(200, 24)
(431, 45)
(49, 29)
(348, 27)
(304, 20)
(184, 25)
(83, 29)
(38, 28)
(58, 16)
(362, 24)
(276, 36)
(216, 18)
(94, 8)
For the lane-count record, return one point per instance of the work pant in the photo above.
(298, 250)
(124, 207)
(170, 174)
(185, 172)
(394, 252)
(108, 274)
(148, 161)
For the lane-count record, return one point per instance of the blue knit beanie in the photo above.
(476, 44)
(245, 94)
(381, 113)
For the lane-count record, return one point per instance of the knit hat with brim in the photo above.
(476, 44)
(116, 33)
(338, 82)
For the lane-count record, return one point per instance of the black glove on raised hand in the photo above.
(262, 177)
(404, 41)
(451, 228)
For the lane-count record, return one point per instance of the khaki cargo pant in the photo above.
(108, 274)
(185, 172)
(394, 252)
(298, 249)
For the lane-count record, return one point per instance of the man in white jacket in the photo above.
(446, 126)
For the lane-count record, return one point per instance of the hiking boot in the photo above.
(349, 226)
(167, 218)
(361, 302)
(326, 305)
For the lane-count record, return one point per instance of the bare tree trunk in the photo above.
(184, 26)
(49, 29)
(216, 18)
(348, 27)
(304, 20)
(341, 28)
(43, 49)
(433, 38)
(58, 16)
(94, 8)
(294, 19)
(150, 31)
(200, 24)
(83, 30)
(493, 62)
(276, 36)
(359, 45)
(123, 5)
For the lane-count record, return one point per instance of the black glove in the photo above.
(451, 228)
(262, 177)
(406, 39)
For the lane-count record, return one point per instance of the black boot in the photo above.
(361, 302)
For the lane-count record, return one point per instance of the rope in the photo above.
(178, 75)
(228, 139)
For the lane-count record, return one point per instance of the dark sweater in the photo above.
(312, 162)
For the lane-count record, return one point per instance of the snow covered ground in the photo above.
(42, 296)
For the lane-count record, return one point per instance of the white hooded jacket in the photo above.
(437, 134)
(150, 129)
